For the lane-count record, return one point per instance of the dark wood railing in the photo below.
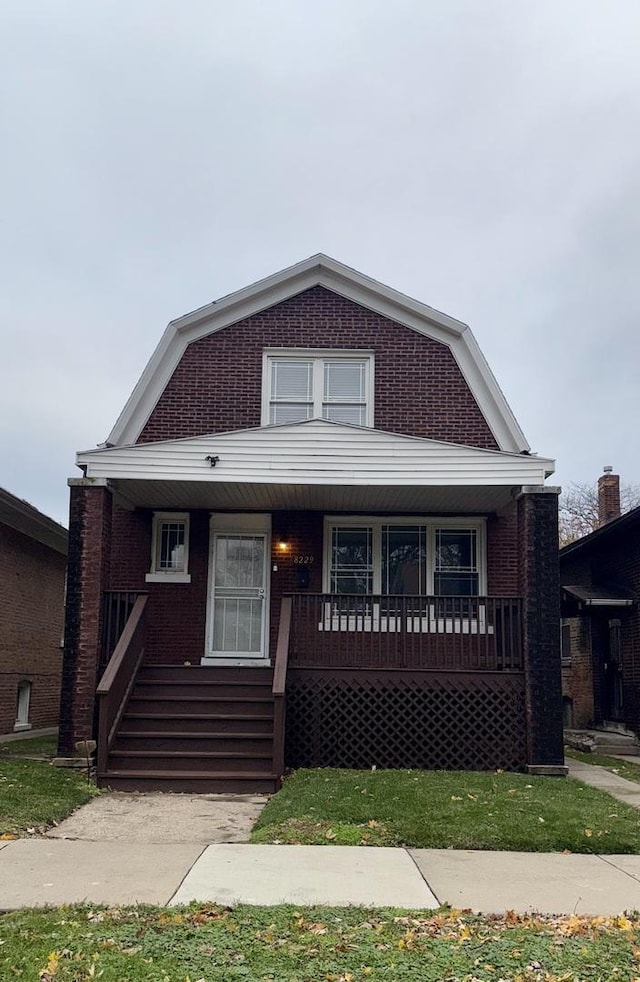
(119, 678)
(116, 609)
(368, 631)
(280, 684)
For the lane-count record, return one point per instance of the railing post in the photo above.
(279, 686)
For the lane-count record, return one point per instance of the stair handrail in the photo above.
(116, 684)
(279, 685)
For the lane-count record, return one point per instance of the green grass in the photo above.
(447, 810)
(624, 768)
(44, 746)
(34, 795)
(205, 943)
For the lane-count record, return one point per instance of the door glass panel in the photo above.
(238, 595)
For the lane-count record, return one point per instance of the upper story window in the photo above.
(169, 548)
(303, 384)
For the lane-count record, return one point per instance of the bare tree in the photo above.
(578, 509)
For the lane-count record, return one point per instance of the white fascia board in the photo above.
(316, 452)
(320, 270)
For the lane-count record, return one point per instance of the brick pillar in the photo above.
(540, 589)
(87, 578)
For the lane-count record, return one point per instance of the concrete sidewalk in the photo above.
(34, 872)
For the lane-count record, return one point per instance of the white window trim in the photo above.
(166, 575)
(320, 355)
(24, 706)
(431, 523)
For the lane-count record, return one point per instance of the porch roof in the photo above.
(315, 464)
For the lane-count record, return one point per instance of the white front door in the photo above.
(238, 595)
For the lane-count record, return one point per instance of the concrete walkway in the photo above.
(34, 872)
(110, 870)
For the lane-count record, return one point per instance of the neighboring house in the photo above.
(33, 559)
(600, 578)
(316, 498)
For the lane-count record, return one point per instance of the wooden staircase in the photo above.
(195, 729)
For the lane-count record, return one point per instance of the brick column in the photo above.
(87, 578)
(540, 589)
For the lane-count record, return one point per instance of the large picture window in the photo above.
(304, 384)
(396, 557)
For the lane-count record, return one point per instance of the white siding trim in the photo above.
(320, 270)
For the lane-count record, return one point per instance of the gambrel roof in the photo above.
(322, 271)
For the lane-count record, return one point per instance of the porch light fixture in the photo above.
(283, 544)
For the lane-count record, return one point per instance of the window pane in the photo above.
(456, 549)
(171, 546)
(289, 412)
(344, 381)
(292, 380)
(404, 559)
(346, 414)
(455, 584)
(351, 560)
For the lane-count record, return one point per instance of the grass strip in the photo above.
(34, 796)
(447, 810)
(206, 943)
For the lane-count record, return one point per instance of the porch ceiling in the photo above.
(292, 497)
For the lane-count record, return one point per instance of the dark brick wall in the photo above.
(612, 561)
(176, 613)
(577, 677)
(419, 389)
(31, 619)
(540, 589)
(87, 578)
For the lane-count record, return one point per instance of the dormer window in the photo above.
(303, 384)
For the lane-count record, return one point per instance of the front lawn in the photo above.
(623, 768)
(34, 795)
(274, 944)
(42, 746)
(447, 810)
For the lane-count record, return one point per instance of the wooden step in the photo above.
(208, 673)
(181, 687)
(190, 782)
(205, 723)
(185, 760)
(199, 705)
(223, 743)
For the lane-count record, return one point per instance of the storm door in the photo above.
(238, 599)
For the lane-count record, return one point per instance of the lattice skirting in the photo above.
(434, 720)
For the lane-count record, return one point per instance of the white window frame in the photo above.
(479, 525)
(23, 700)
(431, 622)
(156, 575)
(319, 356)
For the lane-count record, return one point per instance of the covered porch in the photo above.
(386, 589)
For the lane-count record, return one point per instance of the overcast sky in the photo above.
(482, 156)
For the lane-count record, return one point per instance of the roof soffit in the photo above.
(322, 271)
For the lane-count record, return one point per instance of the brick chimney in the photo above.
(608, 496)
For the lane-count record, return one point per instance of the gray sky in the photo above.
(482, 156)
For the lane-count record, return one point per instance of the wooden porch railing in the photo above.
(440, 633)
(118, 680)
(116, 609)
(280, 684)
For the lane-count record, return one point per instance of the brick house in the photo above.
(315, 502)
(600, 587)
(33, 559)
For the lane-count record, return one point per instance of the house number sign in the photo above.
(303, 560)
